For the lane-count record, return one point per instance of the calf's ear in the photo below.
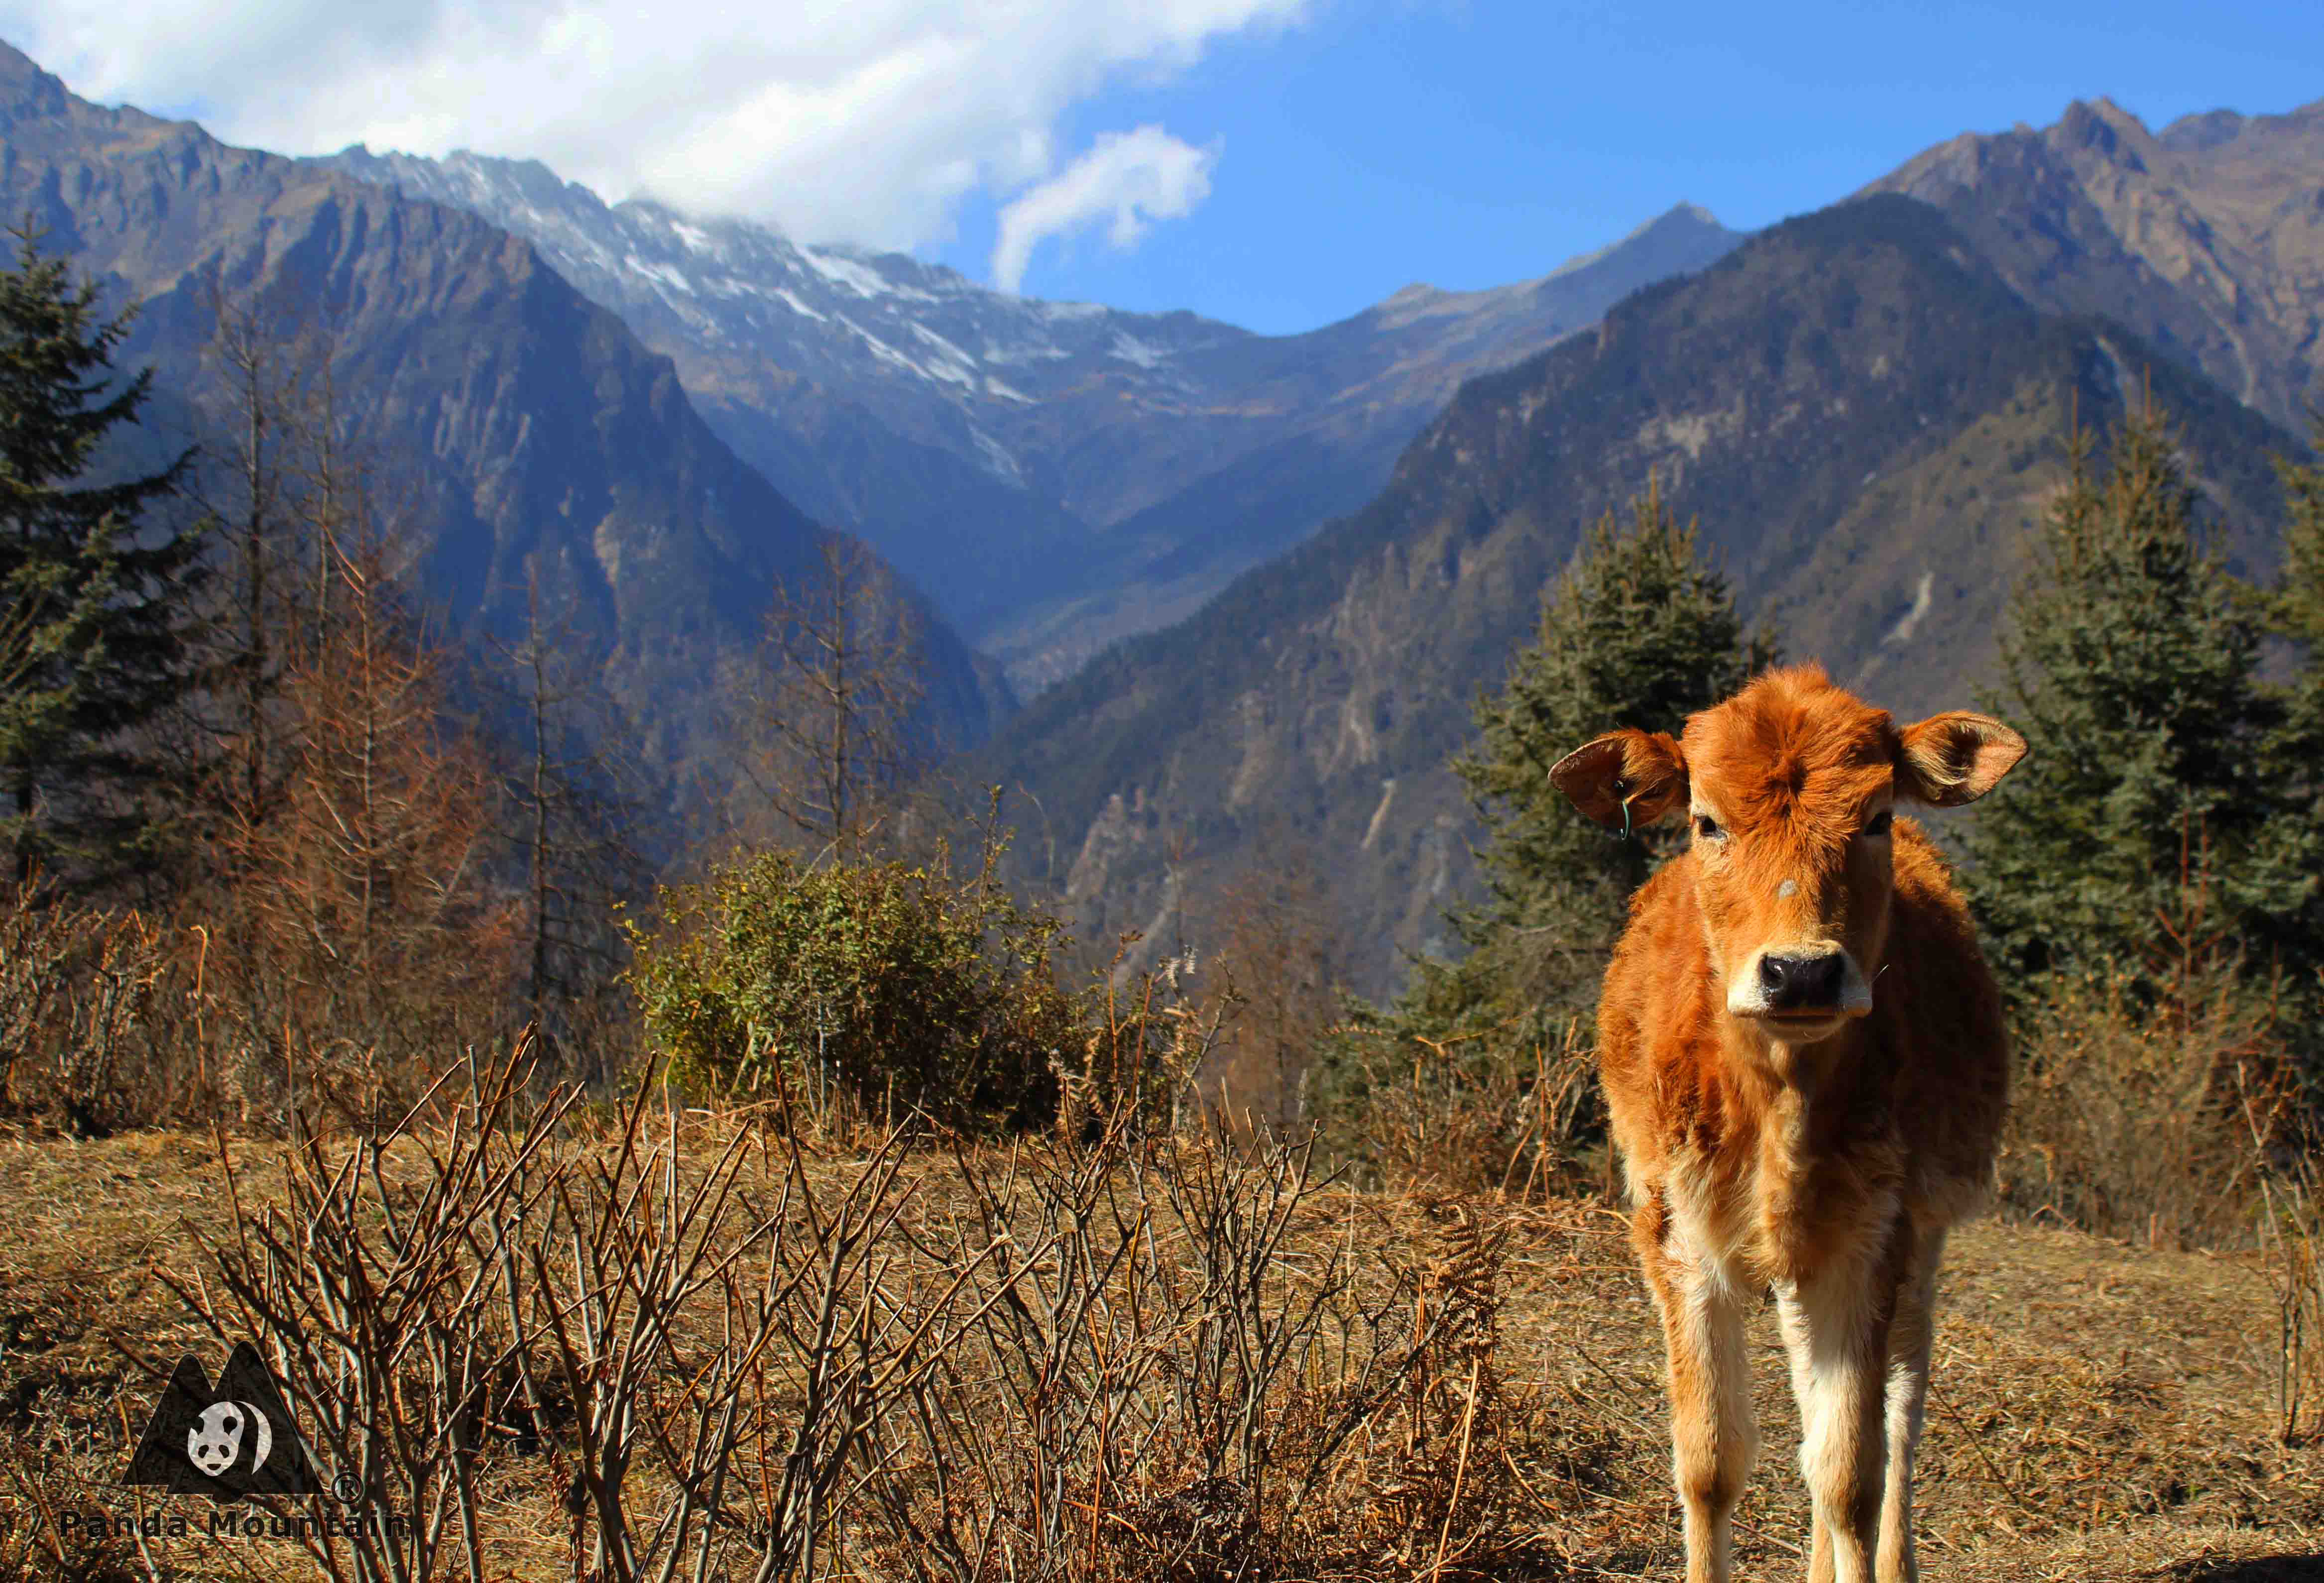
(1954, 758)
(1644, 770)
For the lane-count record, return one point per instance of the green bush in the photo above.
(880, 987)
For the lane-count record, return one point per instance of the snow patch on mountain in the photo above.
(945, 348)
(661, 273)
(792, 301)
(862, 280)
(998, 459)
(1035, 352)
(1130, 349)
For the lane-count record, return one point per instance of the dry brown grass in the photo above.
(2101, 1411)
(2133, 1111)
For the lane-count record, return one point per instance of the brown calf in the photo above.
(1805, 1068)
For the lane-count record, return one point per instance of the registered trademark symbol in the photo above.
(346, 1489)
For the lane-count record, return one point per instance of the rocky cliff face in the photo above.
(2206, 238)
(1061, 474)
(1864, 415)
(523, 431)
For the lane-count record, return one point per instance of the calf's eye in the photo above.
(1707, 828)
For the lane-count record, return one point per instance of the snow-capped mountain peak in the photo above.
(835, 315)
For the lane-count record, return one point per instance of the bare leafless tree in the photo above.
(344, 882)
(255, 368)
(577, 814)
(828, 731)
(1275, 953)
(365, 891)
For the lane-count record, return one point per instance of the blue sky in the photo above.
(1277, 163)
(1471, 145)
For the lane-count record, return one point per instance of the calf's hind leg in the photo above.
(1714, 1435)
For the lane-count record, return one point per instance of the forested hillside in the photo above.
(1863, 415)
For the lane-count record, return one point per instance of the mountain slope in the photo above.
(1865, 417)
(2206, 238)
(1346, 400)
(1032, 461)
(525, 430)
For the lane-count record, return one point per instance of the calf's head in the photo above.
(1790, 788)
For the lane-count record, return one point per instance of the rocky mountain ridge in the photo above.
(526, 436)
(1061, 474)
(2206, 238)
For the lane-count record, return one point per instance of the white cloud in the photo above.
(1131, 179)
(869, 121)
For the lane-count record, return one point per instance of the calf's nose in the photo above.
(1801, 983)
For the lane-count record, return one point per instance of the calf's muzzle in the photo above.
(1802, 983)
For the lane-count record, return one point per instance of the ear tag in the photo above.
(1626, 819)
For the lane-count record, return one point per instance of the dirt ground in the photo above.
(2099, 1411)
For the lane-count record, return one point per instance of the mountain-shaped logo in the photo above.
(225, 1443)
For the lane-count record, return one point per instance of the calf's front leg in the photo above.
(1714, 1435)
(1910, 1334)
(1836, 1329)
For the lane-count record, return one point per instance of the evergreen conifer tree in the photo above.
(2296, 764)
(2131, 664)
(93, 593)
(1639, 631)
(2299, 616)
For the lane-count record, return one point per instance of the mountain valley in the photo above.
(1059, 475)
(1250, 584)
